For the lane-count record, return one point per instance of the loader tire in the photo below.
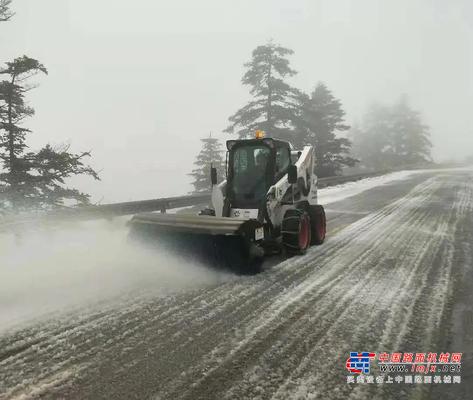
(296, 231)
(233, 253)
(252, 267)
(318, 224)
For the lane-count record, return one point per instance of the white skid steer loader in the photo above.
(268, 203)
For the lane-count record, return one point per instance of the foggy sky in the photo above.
(140, 82)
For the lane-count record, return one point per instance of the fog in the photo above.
(139, 83)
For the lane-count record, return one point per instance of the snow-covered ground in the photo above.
(386, 282)
(340, 192)
(51, 270)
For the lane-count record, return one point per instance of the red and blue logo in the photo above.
(359, 363)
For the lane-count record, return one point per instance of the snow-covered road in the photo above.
(395, 274)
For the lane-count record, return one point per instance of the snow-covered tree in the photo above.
(392, 137)
(28, 179)
(211, 154)
(5, 12)
(410, 136)
(323, 126)
(371, 139)
(274, 106)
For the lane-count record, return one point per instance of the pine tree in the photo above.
(323, 126)
(17, 181)
(5, 13)
(410, 136)
(393, 137)
(274, 107)
(52, 166)
(210, 154)
(28, 179)
(372, 140)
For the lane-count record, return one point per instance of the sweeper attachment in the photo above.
(268, 203)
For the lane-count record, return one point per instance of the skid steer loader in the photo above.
(266, 204)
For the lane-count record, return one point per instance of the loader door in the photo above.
(251, 174)
(283, 160)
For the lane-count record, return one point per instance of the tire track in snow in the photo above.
(307, 380)
(338, 310)
(241, 306)
(262, 328)
(396, 313)
(328, 276)
(301, 273)
(156, 343)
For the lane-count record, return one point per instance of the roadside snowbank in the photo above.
(340, 192)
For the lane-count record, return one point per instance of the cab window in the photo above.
(283, 159)
(250, 180)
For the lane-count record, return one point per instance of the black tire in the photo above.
(296, 231)
(318, 224)
(253, 266)
(233, 253)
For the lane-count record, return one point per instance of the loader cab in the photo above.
(254, 165)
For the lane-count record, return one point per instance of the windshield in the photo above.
(250, 180)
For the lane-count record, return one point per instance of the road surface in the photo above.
(395, 275)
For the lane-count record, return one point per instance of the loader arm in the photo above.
(282, 195)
